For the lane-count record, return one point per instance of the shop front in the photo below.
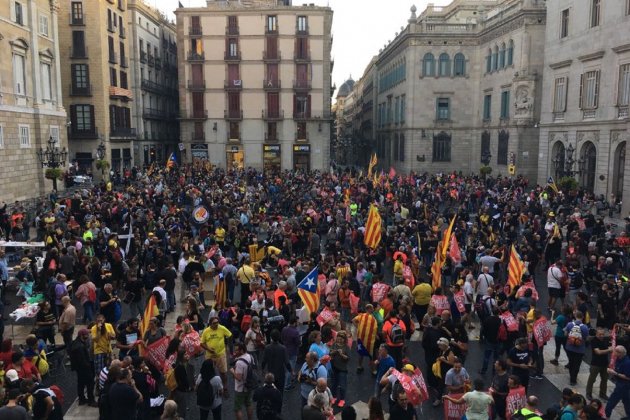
(301, 157)
(199, 151)
(271, 158)
(235, 157)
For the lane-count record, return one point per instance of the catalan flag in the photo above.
(220, 292)
(446, 240)
(552, 184)
(308, 290)
(150, 311)
(171, 161)
(373, 228)
(440, 255)
(515, 269)
(373, 162)
(367, 329)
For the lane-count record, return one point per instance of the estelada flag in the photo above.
(171, 161)
(515, 269)
(367, 329)
(220, 292)
(308, 290)
(373, 228)
(150, 311)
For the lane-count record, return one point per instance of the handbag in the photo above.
(436, 368)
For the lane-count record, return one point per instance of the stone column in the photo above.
(54, 9)
(526, 47)
(34, 38)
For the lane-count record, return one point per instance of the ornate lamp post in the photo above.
(485, 158)
(100, 155)
(53, 158)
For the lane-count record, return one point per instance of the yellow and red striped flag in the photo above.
(220, 292)
(446, 240)
(308, 290)
(515, 269)
(440, 255)
(372, 228)
(373, 162)
(367, 328)
(150, 311)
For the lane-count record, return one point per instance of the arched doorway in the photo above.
(589, 154)
(557, 159)
(618, 171)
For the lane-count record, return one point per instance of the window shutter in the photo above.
(12, 7)
(596, 99)
(92, 119)
(308, 106)
(565, 94)
(581, 103)
(73, 117)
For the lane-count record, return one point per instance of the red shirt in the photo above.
(28, 371)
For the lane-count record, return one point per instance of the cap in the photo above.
(12, 375)
(409, 367)
(443, 341)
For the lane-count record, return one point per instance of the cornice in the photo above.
(561, 64)
(621, 48)
(592, 56)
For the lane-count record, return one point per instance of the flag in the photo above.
(419, 243)
(171, 161)
(454, 251)
(515, 269)
(150, 311)
(308, 290)
(180, 5)
(552, 184)
(220, 292)
(256, 253)
(440, 255)
(373, 228)
(372, 164)
(367, 329)
(375, 181)
(447, 237)
(392, 172)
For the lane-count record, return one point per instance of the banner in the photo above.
(413, 392)
(515, 400)
(155, 353)
(200, 215)
(325, 316)
(510, 322)
(541, 331)
(354, 303)
(192, 344)
(529, 285)
(460, 299)
(419, 382)
(440, 303)
(453, 411)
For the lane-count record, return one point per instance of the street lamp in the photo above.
(564, 164)
(53, 158)
(100, 151)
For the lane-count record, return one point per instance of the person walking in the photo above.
(213, 341)
(67, 320)
(577, 333)
(242, 395)
(268, 399)
(621, 373)
(124, 397)
(601, 348)
(276, 361)
(394, 332)
(80, 362)
(209, 389)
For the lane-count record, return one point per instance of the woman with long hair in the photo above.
(192, 313)
(209, 391)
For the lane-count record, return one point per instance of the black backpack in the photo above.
(205, 394)
(252, 381)
(265, 411)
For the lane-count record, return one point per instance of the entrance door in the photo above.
(235, 159)
(589, 154)
(619, 171)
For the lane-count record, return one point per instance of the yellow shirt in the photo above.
(219, 234)
(215, 340)
(103, 342)
(422, 294)
(245, 274)
(530, 321)
(398, 268)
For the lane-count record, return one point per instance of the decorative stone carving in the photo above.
(561, 136)
(617, 136)
(584, 136)
(54, 6)
(524, 103)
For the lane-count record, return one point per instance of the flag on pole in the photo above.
(552, 184)
(446, 240)
(171, 161)
(440, 255)
(308, 290)
(367, 329)
(150, 311)
(454, 252)
(515, 269)
(372, 164)
(373, 228)
(220, 292)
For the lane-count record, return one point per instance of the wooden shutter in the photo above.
(233, 73)
(73, 118)
(596, 99)
(273, 103)
(302, 72)
(581, 100)
(272, 47)
(308, 106)
(195, 22)
(272, 72)
(197, 73)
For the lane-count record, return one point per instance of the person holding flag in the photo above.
(308, 290)
(367, 333)
(171, 161)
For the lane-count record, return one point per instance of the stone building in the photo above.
(586, 94)
(153, 64)
(31, 108)
(255, 84)
(460, 86)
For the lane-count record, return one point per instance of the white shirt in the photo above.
(161, 291)
(554, 275)
(483, 282)
(182, 265)
(468, 291)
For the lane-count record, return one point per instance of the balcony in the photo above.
(301, 115)
(196, 115)
(121, 5)
(198, 137)
(233, 114)
(153, 114)
(622, 112)
(232, 56)
(196, 84)
(301, 30)
(301, 137)
(150, 60)
(271, 137)
(74, 133)
(234, 84)
(195, 30)
(77, 20)
(273, 115)
(195, 56)
(158, 63)
(589, 114)
(81, 52)
(80, 91)
(150, 86)
(120, 93)
(302, 55)
(302, 84)
(123, 62)
(123, 132)
(231, 30)
(110, 27)
(272, 84)
(143, 57)
(233, 137)
(272, 56)
(558, 116)
(122, 32)
(113, 57)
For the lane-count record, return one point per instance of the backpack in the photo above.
(40, 406)
(52, 292)
(41, 363)
(91, 295)
(562, 412)
(519, 415)
(575, 336)
(246, 322)
(396, 334)
(502, 334)
(252, 381)
(205, 394)
(265, 411)
(169, 380)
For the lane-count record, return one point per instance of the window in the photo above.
(301, 106)
(489, 62)
(113, 77)
(502, 150)
(442, 147)
(505, 104)
(46, 82)
(83, 118)
(485, 147)
(77, 12)
(54, 133)
(495, 58)
(487, 103)
(232, 47)
(502, 56)
(78, 44)
(233, 24)
(25, 135)
(627, 7)
(17, 13)
(43, 25)
(1, 137)
(302, 24)
(123, 80)
(401, 148)
(272, 23)
(301, 48)
(560, 95)
(460, 65)
(510, 53)
(595, 13)
(564, 24)
(445, 65)
(589, 90)
(19, 75)
(395, 146)
(443, 109)
(428, 65)
(402, 109)
(623, 97)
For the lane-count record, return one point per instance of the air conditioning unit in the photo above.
(237, 82)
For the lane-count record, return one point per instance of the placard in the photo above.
(200, 215)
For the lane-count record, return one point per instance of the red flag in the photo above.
(515, 400)
(455, 252)
(155, 352)
(392, 172)
(354, 303)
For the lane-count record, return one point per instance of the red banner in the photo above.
(453, 411)
(515, 400)
(529, 285)
(192, 344)
(325, 316)
(440, 302)
(419, 382)
(412, 391)
(510, 322)
(541, 331)
(155, 353)
(460, 300)
(354, 303)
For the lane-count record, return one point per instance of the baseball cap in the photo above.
(12, 375)
(409, 367)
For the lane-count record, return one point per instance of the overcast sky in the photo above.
(360, 28)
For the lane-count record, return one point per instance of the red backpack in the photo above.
(246, 322)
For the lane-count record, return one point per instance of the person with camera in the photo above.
(310, 372)
(102, 335)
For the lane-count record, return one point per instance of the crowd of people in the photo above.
(240, 245)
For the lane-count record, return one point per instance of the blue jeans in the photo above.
(170, 299)
(620, 393)
(339, 384)
(289, 375)
(88, 312)
(490, 350)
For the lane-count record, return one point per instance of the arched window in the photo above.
(442, 147)
(445, 65)
(428, 65)
(401, 148)
(485, 148)
(510, 53)
(495, 58)
(502, 56)
(558, 158)
(489, 62)
(502, 150)
(460, 65)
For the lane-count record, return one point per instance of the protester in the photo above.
(268, 399)
(209, 388)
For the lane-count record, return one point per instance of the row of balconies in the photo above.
(237, 84)
(236, 137)
(234, 30)
(124, 132)
(298, 56)
(237, 115)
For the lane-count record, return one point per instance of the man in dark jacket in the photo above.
(490, 332)
(268, 399)
(82, 365)
(276, 361)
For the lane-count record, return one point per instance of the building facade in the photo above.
(586, 95)
(31, 108)
(153, 66)
(459, 88)
(255, 84)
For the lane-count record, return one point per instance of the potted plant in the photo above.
(485, 171)
(567, 183)
(54, 173)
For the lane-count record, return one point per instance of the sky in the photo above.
(360, 28)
